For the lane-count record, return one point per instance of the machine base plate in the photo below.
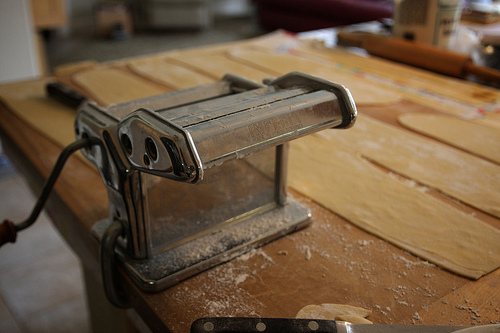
(174, 265)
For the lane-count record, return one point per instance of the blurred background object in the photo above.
(304, 15)
(432, 22)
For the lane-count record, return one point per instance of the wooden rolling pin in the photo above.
(419, 55)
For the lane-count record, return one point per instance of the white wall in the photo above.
(18, 48)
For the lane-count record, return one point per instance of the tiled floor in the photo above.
(40, 278)
(41, 288)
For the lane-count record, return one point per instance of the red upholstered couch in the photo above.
(304, 15)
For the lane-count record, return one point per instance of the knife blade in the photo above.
(289, 325)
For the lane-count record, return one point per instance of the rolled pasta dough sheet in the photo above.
(475, 138)
(339, 312)
(339, 177)
(364, 92)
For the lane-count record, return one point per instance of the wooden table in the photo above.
(332, 261)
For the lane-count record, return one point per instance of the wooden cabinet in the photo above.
(49, 14)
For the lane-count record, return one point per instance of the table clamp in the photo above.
(197, 177)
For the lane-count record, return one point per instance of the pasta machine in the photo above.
(198, 176)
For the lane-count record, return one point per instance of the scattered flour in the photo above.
(240, 278)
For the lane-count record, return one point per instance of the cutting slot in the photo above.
(126, 144)
(147, 161)
(151, 149)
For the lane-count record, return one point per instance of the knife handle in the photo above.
(65, 95)
(267, 325)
